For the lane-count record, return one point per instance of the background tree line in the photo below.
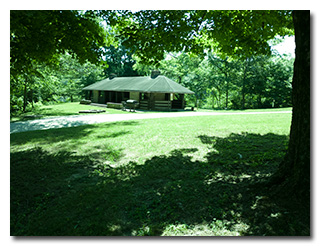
(46, 85)
(227, 83)
(63, 81)
(218, 83)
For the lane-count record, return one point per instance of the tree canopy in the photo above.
(237, 33)
(39, 38)
(41, 35)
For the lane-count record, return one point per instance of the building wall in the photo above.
(159, 96)
(111, 96)
(134, 95)
(96, 96)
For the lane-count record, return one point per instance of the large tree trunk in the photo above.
(294, 172)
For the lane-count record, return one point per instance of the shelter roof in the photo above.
(160, 84)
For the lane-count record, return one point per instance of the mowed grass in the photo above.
(67, 109)
(177, 176)
(62, 109)
(138, 140)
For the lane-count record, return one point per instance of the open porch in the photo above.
(147, 101)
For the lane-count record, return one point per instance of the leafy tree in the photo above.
(41, 35)
(154, 32)
(241, 34)
(186, 70)
(226, 71)
(38, 37)
(63, 82)
(279, 88)
(120, 61)
(74, 76)
(262, 81)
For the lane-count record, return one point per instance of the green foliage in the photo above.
(234, 37)
(52, 84)
(257, 79)
(37, 38)
(245, 33)
(236, 33)
(41, 35)
(120, 61)
(232, 83)
(150, 33)
(73, 76)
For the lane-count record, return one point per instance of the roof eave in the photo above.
(191, 93)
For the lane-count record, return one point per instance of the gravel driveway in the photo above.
(78, 120)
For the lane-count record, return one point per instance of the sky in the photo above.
(286, 47)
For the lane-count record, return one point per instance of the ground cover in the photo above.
(67, 109)
(61, 109)
(177, 176)
(246, 110)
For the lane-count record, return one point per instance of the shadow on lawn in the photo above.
(63, 194)
(63, 134)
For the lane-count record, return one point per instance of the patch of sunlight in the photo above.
(275, 215)
(114, 228)
(216, 228)
(143, 231)
(244, 176)
(200, 155)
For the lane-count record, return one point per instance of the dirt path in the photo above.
(78, 120)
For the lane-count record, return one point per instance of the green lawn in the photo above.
(178, 176)
(247, 110)
(63, 109)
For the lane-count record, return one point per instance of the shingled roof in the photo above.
(160, 84)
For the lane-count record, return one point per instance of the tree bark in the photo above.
(227, 91)
(25, 95)
(294, 171)
(244, 85)
(213, 95)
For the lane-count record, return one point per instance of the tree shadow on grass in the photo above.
(248, 154)
(74, 195)
(63, 134)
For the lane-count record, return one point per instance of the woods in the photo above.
(223, 56)
(263, 81)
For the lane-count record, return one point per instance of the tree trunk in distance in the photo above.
(25, 95)
(244, 84)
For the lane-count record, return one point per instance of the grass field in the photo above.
(62, 109)
(177, 176)
(66, 109)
